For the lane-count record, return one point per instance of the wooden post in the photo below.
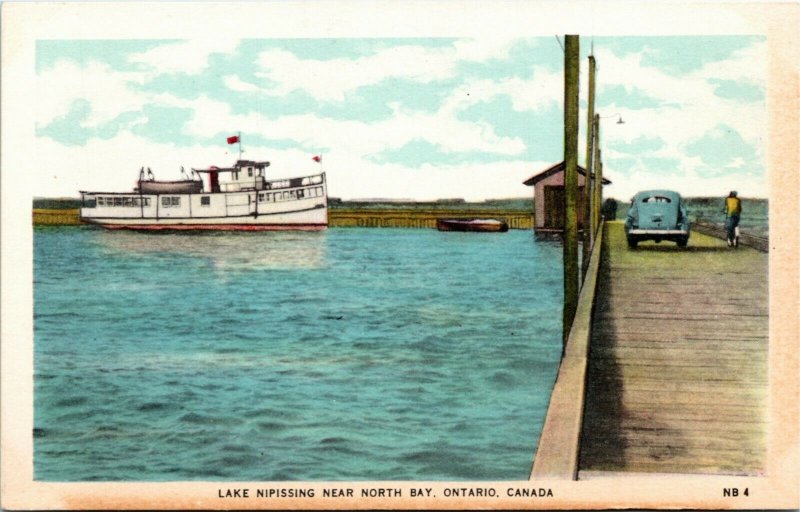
(598, 182)
(599, 186)
(588, 232)
(571, 77)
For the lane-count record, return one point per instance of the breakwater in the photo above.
(56, 217)
(348, 217)
(420, 218)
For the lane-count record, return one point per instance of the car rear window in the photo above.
(656, 199)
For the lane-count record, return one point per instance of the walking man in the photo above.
(733, 210)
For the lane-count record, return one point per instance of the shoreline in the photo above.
(343, 217)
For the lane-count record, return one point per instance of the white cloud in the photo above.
(184, 56)
(332, 79)
(235, 83)
(691, 110)
(542, 90)
(352, 143)
(108, 91)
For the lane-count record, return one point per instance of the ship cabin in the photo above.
(244, 175)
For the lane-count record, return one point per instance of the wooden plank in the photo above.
(677, 377)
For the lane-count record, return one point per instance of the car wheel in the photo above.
(632, 242)
(682, 241)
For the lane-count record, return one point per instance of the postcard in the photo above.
(400, 255)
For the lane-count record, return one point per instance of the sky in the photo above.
(401, 118)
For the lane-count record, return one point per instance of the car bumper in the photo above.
(658, 232)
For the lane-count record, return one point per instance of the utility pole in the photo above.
(595, 210)
(598, 180)
(588, 184)
(571, 80)
(599, 186)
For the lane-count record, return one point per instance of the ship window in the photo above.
(286, 196)
(300, 194)
(176, 201)
(249, 172)
(260, 197)
(127, 201)
(117, 201)
(235, 175)
(136, 202)
(170, 201)
(165, 201)
(293, 194)
(319, 191)
(205, 201)
(100, 201)
(146, 201)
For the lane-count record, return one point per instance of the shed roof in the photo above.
(559, 167)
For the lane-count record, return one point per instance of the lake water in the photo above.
(350, 354)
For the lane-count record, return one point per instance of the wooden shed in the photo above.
(548, 198)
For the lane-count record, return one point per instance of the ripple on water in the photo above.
(390, 358)
(72, 401)
(155, 406)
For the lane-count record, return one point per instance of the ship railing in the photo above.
(316, 179)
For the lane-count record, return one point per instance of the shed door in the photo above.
(554, 210)
(554, 207)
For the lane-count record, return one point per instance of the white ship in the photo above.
(234, 198)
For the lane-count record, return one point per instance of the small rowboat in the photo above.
(480, 225)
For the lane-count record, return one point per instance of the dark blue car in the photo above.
(657, 215)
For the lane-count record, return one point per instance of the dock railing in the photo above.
(559, 443)
(760, 243)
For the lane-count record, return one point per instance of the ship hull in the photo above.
(313, 219)
(215, 227)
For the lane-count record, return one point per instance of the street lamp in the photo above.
(618, 115)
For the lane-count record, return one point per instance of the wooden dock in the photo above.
(677, 367)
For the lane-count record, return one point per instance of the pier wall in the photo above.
(559, 443)
(348, 217)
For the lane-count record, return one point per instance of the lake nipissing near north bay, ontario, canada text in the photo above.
(350, 354)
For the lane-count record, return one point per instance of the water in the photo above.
(351, 354)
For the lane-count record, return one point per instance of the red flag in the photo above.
(233, 140)
(317, 158)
